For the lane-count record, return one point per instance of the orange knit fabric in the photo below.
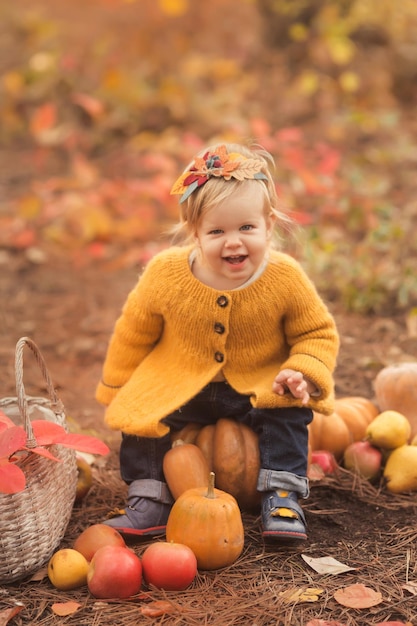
(166, 344)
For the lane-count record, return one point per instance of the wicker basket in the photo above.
(33, 522)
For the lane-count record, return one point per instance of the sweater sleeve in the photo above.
(136, 332)
(312, 336)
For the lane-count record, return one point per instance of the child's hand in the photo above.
(295, 383)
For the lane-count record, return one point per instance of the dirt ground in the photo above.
(70, 315)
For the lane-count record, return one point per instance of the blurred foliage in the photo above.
(103, 102)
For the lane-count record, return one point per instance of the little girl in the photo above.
(224, 326)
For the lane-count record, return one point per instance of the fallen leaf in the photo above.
(326, 565)
(157, 608)
(300, 594)
(41, 574)
(43, 119)
(411, 587)
(8, 614)
(65, 608)
(358, 596)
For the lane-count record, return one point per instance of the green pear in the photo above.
(400, 470)
(388, 430)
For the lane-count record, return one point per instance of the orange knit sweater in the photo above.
(175, 334)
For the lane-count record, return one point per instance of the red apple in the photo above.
(169, 565)
(363, 458)
(325, 459)
(114, 572)
(95, 537)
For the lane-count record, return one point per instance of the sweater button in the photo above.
(219, 328)
(219, 357)
(222, 301)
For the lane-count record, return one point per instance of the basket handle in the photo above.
(56, 403)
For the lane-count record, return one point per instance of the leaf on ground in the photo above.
(411, 587)
(43, 119)
(301, 594)
(157, 608)
(40, 574)
(326, 565)
(358, 596)
(65, 608)
(8, 614)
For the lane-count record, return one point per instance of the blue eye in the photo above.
(215, 231)
(246, 227)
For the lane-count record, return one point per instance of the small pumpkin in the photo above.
(208, 521)
(395, 389)
(188, 434)
(185, 467)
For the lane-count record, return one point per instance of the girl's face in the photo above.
(233, 238)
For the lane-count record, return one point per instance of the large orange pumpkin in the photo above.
(346, 424)
(396, 390)
(208, 521)
(231, 450)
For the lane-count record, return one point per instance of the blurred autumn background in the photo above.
(103, 101)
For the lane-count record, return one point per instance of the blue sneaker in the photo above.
(282, 517)
(144, 515)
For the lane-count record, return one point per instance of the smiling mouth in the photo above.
(235, 260)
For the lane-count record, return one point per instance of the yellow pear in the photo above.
(389, 430)
(67, 569)
(400, 470)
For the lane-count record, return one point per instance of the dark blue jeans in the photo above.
(283, 439)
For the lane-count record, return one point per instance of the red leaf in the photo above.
(11, 439)
(12, 479)
(289, 135)
(45, 453)
(47, 433)
(90, 104)
(5, 421)
(84, 443)
(44, 118)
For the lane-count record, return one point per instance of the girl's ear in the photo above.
(271, 221)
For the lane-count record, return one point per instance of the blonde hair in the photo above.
(217, 190)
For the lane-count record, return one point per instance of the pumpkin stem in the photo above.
(177, 442)
(210, 489)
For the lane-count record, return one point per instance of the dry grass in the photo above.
(379, 540)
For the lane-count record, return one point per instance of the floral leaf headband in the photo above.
(220, 164)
